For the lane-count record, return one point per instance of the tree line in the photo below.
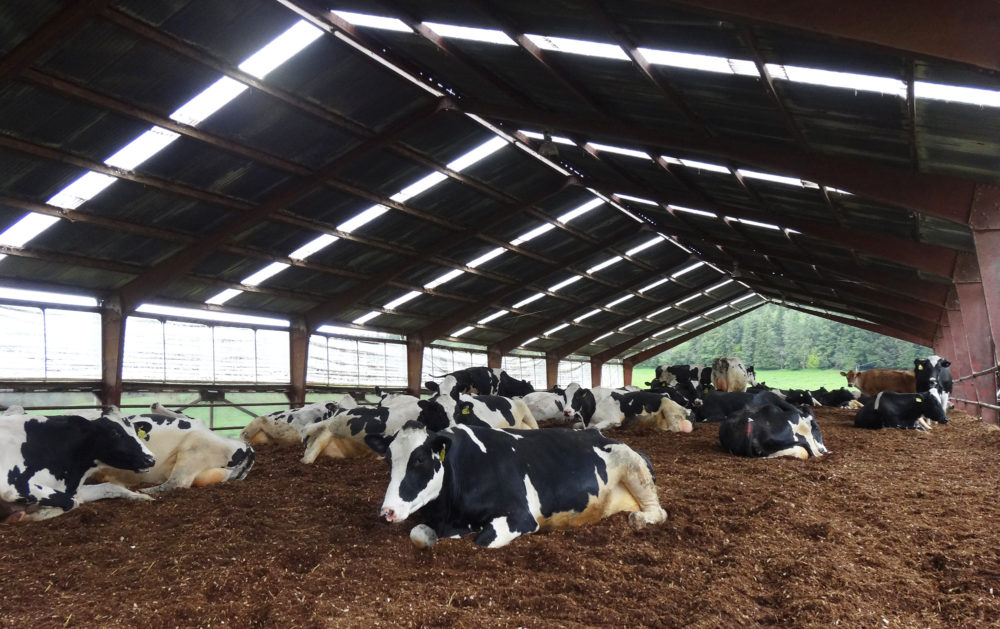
(773, 337)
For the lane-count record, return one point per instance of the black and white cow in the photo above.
(910, 411)
(716, 406)
(188, 454)
(479, 410)
(729, 374)
(487, 381)
(841, 397)
(342, 436)
(932, 372)
(548, 406)
(501, 484)
(645, 408)
(594, 408)
(771, 431)
(285, 426)
(45, 461)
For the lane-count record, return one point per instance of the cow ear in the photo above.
(944, 363)
(424, 404)
(843, 374)
(439, 445)
(465, 408)
(378, 443)
(432, 386)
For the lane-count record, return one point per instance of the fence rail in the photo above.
(977, 374)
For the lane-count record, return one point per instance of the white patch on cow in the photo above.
(467, 430)
(795, 451)
(803, 428)
(878, 398)
(504, 535)
(534, 503)
(402, 446)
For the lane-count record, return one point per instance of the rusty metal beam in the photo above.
(662, 347)
(864, 325)
(112, 351)
(767, 82)
(945, 196)
(414, 363)
(66, 20)
(298, 355)
(965, 33)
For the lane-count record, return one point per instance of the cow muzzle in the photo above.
(388, 515)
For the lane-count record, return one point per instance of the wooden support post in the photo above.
(414, 363)
(627, 368)
(112, 350)
(972, 300)
(494, 357)
(552, 371)
(960, 359)
(595, 372)
(298, 356)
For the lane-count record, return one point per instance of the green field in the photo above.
(778, 378)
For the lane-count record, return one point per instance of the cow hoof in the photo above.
(640, 519)
(17, 516)
(423, 536)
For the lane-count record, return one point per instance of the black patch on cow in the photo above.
(432, 415)
(761, 431)
(498, 404)
(584, 404)
(511, 387)
(368, 420)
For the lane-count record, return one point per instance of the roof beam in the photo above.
(864, 325)
(662, 347)
(944, 196)
(966, 34)
(65, 20)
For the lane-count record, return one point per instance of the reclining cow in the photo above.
(285, 427)
(909, 411)
(342, 436)
(548, 406)
(45, 461)
(932, 372)
(770, 431)
(481, 410)
(501, 484)
(487, 381)
(188, 454)
(717, 406)
(643, 408)
(729, 374)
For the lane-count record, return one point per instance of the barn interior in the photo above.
(590, 180)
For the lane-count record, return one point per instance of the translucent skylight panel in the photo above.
(486, 35)
(957, 94)
(719, 285)
(493, 317)
(579, 47)
(447, 277)
(691, 320)
(603, 336)
(82, 190)
(142, 148)
(421, 185)
(528, 300)
(477, 154)
(605, 264)
(646, 245)
(558, 139)
(311, 247)
(845, 80)
(534, 233)
(464, 330)
(223, 297)
(619, 150)
(336, 329)
(630, 324)
(210, 100)
(659, 312)
(640, 200)
(747, 221)
(687, 299)
(18, 294)
(531, 340)
(715, 168)
(266, 273)
(210, 315)
(281, 49)
(705, 63)
(714, 310)
(654, 284)
(27, 228)
(365, 318)
(364, 217)
(743, 298)
(399, 301)
(373, 21)
(664, 331)
(565, 283)
(587, 315)
(580, 211)
(486, 257)
(688, 210)
(687, 269)
(622, 299)
(555, 329)
(788, 181)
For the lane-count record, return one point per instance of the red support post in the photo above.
(298, 356)
(414, 363)
(595, 372)
(494, 358)
(112, 351)
(552, 371)
(627, 369)
(972, 300)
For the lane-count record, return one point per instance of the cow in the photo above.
(188, 454)
(931, 372)
(717, 406)
(645, 408)
(840, 397)
(751, 376)
(902, 410)
(877, 380)
(285, 426)
(594, 408)
(771, 431)
(548, 406)
(729, 374)
(480, 410)
(501, 484)
(45, 461)
(799, 397)
(488, 381)
(663, 378)
(342, 435)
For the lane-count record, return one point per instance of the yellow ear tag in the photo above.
(441, 454)
(465, 410)
(919, 367)
(142, 434)
(920, 399)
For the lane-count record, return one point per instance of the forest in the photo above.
(773, 337)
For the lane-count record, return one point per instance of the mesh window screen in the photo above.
(272, 356)
(188, 351)
(318, 367)
(22, 343)
(144, 358)
(234, 354)
(612, 375)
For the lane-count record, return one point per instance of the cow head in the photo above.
(416, 468)
(432, 415)
(852, 377)
(118, 445)
(814, 441)
(930, 405)
(240, 463)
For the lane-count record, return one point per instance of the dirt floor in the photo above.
(891, 529)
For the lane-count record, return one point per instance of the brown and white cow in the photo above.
(729, 374)
(875, 381)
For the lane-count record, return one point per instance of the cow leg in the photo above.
(102, 491)
(320, 439)
(17, 516)
(795, 451)
(639, 481)
(922, 423)
(498, 532)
